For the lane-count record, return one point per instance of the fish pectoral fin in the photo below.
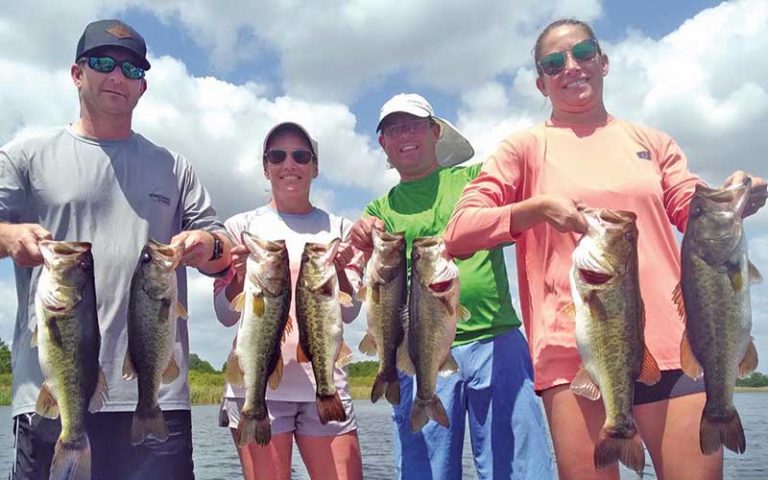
(376, 293)
(749, 362)
(568, 311)
(129, 372)
(301, 355)
(171, 371)
(464, 313)
(344, 356)
(33, 340)
(448, 367)
(277, 373)
(737, 279)
(100, 395)
(596, 307)
(583, 385)
(361, 293)
(754, 274)
(368, 344)
(257, 305)
(448, 305)
(238, 303)
(649, 373)
(46, 405)
(688, 361)
(677, 299)
(233, 373)
(181, 312)
(345, 299)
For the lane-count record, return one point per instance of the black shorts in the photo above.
(673, 383)
(112, 455)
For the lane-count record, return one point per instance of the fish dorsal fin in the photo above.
(464, 313)
(404, 361)
(181, 312)
(238, 303)
(754, 274)
(287, 329)
(688, 361)
(368, 344)
(448, 367)
(46, 405)
(233, 373)
(129, 372)
(277, 373)
(100, 395)
(583, 385)
(650, 373)
(749, 362)
(344, 356)
(171, 371)
(677, 299)
(345, 299)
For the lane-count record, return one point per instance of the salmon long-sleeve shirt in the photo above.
(616, 165)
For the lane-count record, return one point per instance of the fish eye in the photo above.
(146, 257)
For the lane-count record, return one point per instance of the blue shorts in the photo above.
(494, 389)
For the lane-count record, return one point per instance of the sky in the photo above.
(221, 76)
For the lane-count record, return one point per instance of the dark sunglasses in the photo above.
(584, 51)
(275, 157)
(412, 126)
(106, 64)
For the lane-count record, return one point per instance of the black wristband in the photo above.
(218, 248)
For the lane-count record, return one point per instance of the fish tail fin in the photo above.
(71, 459)
(251, 429)
(387, 388)
(378, 388)
(619, 445)
(148, 423)
(725, 430)
(393, 391)
(329, 407)
(423, 410)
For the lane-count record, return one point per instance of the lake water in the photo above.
(215, 456)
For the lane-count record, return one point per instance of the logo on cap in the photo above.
(120, 32)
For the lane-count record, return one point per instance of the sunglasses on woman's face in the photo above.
(584, 51)
(106, 64)
(275, 157)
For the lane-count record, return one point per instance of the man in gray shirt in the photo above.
(98, 181)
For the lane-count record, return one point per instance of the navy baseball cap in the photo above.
(112, 33)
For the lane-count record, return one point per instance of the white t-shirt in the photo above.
(298, 380)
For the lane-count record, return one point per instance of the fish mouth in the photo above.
(168, 255)
(57, 252)
(608, 218)
(426, 242)
(594, 278)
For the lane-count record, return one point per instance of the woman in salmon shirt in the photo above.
(530, 192)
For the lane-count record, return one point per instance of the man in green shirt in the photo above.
(494, 385)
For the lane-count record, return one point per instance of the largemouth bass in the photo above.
(714, 297)
(153, 311)
(386, 296)
(433, 312)
(265, 303)
(68, 341)
(318, 314)
(610, 320)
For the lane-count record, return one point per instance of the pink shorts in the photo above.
(299, 417)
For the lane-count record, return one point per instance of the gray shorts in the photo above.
(299, 417)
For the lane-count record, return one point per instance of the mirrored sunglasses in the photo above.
(275, 157)
(105, 64)
(584, 51)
